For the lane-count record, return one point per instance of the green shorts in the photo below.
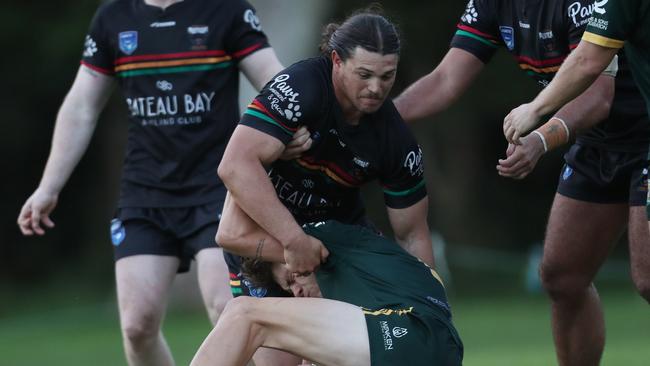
(404, 337)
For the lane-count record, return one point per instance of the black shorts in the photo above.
(412, 339)
(179, 232)
(594, 174)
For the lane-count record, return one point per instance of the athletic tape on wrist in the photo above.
(566, 128)
(541, 137)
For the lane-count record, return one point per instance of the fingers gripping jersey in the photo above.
(177, 69)
(540, 34)
(324, 183)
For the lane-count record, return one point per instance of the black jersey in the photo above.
(324, 183)
(540, 34)
(177, 69)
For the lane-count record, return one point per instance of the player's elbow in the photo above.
(227, 238)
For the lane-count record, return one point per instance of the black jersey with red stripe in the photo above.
(540, 34)
(177, 70)
(325, 182)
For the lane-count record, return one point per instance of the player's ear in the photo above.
(336, 59)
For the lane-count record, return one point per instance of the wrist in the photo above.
(553, 133)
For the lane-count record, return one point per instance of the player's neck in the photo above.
(161, 3)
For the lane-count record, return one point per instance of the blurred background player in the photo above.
(177, 64)
(602, 183)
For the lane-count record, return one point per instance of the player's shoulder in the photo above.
(307, 78)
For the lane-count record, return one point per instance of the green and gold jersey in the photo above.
(615, 23)
(375, 273)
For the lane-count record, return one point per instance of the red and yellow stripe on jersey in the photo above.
(168, 63)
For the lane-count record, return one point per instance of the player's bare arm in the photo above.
(585, 111)
(412, 231)
(583, 66)
(75, 124)
(242, 171)
(437, 90)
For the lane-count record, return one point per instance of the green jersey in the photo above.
(375, 273)
(614, 23)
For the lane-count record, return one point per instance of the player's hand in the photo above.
(519, 121)
(36, 211)
(300, 143)
(304, 255)
(521, 159)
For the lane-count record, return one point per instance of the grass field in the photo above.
(511, 330)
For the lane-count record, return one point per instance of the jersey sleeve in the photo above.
(477, 32)
(291, 99)
(576, 15)
(245, 35)
(612, 22)
(402, 179)
(97, 53)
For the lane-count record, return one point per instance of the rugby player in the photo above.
(601, 187)
(357, 136)
(380, 305)
(177, 64)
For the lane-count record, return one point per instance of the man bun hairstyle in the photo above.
(366, 28)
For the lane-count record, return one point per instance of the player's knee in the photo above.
(560, 283)
(239, 309)
(140, 330)
(216, 306)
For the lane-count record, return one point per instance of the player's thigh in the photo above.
(143, 283)
(639, 242)
(580, 235)
(212, 273)
(325, 331)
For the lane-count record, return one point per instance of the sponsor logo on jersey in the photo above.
(546, 34)
(90, 47)
(400, 332)
(385, 331)
(198, 36)
(414, 162)
(308, 183)
(198, 29)
(580, 14)
(508, 36)
(164, 85)
(168, 24)
(471, 15)
(568, 171)
(524, 25)
(252, 19)
(128, 41)
(599, 7)
(118, 232)
(361, 163)
(284, 100)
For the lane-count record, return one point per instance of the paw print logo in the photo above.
(471, 14)
(90, 47)
(292, 112)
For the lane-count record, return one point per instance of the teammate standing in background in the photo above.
(177, 64)
(602, 185)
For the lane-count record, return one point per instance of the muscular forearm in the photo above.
(578, 72)
(439, 89)
(74, 128)
(240, 235)
(251, 188)
(591, 107)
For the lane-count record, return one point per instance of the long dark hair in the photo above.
(366, 28)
